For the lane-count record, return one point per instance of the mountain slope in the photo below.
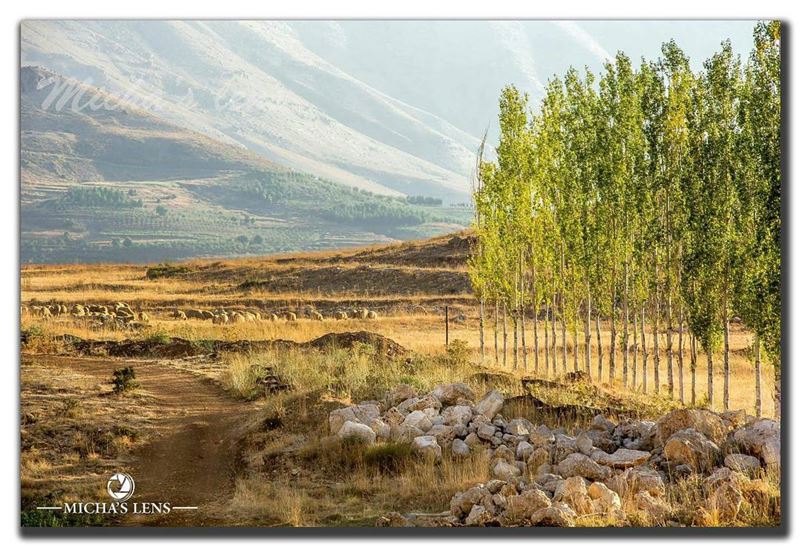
(254, 83)
(117, 183)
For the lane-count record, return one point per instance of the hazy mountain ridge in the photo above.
(254, 84)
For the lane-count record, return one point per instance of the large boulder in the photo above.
(725, 502)
(622, 458)
(354, 431)
(450, 394)
(520, 508)
(578, 465)
(427, 446)
(692, 448)
(505, 471)
(457, 415)
(459, 448)
(404, 433)
(461, 503)
(635, 480)
(724, 475)
(584, 444)
(401, 392)
(537, 458)
(519, 427)
(572, 491)
(418, 419)
(542, 437)
(706, 422)
(490, 405)
(420, 403)
(558, 515)
(604, 499)
(634, 434)
(564, 446)
(762, 439)
(486, 431)
(742, 463)
(524, 451)
(503, 453)
(479, 516)
(362, 413)
(444, 434)
(382, 429)
(656, 509)
(393, 417)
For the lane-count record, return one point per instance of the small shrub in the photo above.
(124, 380)
(458, 352)
(159, 338)
(165, 270)
(70, 407)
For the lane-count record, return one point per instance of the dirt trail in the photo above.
(189, 459)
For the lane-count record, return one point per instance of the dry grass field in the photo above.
(279, 466)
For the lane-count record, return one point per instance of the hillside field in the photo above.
(268, 459)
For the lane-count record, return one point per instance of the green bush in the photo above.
(124, 380)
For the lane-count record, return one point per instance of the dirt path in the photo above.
(190, 457)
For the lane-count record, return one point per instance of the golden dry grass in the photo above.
(424, 334)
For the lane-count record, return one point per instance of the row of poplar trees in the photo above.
(649, 198)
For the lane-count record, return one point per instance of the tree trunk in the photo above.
(575, 345)
(670, 377)
(515, 326)
(680, 355)
(563, 339)
(599, 349)
(726, 368)
(546, 338)
(482, 342)
(505, 335)
(587, 337)
(524, 342)
(612, 348)
(644, 351)
(776, 398)
(693, 366)
(757, 350)
(553, 338)
(625, 320)
(635, 349)
(496, 330)
(536, 337)
(656, 357)
(710, 361)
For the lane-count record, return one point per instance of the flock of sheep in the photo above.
(122, 314)
(222, 316)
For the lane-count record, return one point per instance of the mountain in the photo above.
(105, 180)
(390, 106)
(255, 84)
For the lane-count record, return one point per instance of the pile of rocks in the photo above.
(542, 476)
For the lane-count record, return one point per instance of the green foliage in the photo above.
(165, 270)
(424, 200)
(124, 379)
(655, 187)
(97, 196)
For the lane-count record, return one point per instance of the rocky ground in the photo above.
(692, 467)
